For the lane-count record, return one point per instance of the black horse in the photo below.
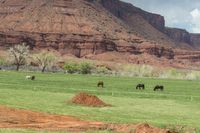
(33, 77)
(158, 87)
(100, 84)
(140, 86)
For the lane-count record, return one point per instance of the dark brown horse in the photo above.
(140, 86)
(158, 87)
(100, 84)
(33, 77)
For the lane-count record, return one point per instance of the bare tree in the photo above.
(44, 60)
(19, 54)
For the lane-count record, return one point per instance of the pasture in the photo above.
(178, 104)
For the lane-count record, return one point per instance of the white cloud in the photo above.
(195, 13)
(195, 20)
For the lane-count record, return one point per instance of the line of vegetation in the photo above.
(19, 57)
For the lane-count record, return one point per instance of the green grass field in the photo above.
(179, 104)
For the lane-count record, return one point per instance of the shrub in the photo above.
(85, 68)
(172, 74)
(2, 62)
(82, 68)
(102, 70)
(72, 67)
(138, 71)
(193, 75)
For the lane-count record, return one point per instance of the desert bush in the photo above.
(2, 62)
(172, 74)
(180, 74)
(102, 70)
(81, 68)
(85, 68)
(146, 71)
(72, 67)
(138, 71)
(193, 75)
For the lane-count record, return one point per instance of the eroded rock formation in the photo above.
(90, 27)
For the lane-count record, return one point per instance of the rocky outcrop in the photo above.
(181, 35)
(178, 35)
(77, 27)
(192, 56)
(123, 10)
(147, 25)
(82, 45)
(126, 11)
(89, 27)
(195, 40)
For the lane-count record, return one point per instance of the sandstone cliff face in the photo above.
(132, 16)
(195, 40)
(181, 35)
(75, 27)
(146, 25)
(121, 9)
(178, 35)
(88, 27)
(81, 45)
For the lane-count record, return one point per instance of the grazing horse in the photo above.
(30, 77)
(140, 86)
(100, 83)
(33, 77)
(158, 87)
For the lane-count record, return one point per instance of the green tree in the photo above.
(19, 54)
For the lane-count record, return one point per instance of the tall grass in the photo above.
(131, 70)
(138, 71)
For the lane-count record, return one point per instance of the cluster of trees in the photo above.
(19, 55)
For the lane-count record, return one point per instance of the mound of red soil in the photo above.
(88, 100)
(139, 128)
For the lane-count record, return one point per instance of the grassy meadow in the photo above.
(178, 104)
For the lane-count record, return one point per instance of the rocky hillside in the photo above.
(136, 17)
(88, 28)
(71, 26)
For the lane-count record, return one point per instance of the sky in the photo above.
(178, 13)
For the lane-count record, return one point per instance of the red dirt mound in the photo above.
(139, 128)
(88, 100)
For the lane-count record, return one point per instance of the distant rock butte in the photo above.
(92, 27)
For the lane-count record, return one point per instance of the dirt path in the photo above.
(16, 118)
